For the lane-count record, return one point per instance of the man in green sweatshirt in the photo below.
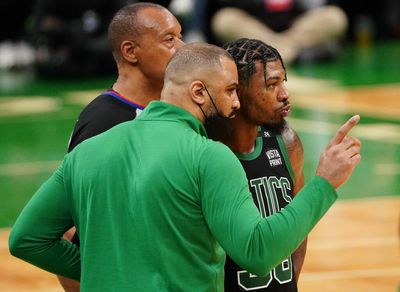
(156, 203)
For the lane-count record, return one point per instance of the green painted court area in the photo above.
(37, 116)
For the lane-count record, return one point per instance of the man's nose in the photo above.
(179, 43)
(236, 102)
(283, 93)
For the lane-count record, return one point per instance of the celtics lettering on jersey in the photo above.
(271, 185)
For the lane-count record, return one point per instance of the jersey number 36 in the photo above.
(282, 273)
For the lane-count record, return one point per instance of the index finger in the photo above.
(345, 129)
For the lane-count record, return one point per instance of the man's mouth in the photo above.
(285, 110)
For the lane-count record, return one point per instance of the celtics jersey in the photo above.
(270, 177)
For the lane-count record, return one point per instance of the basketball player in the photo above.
(269, 150)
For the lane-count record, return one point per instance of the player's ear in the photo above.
(197, 92)
(128, 51)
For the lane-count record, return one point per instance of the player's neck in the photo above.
(137, 90)
(243, 136)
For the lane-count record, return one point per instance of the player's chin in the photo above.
(277, 124)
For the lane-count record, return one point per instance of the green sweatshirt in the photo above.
(155, 204)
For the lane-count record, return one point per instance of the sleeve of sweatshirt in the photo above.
(36, 235)
(256, 244)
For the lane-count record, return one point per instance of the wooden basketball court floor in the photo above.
(355, 247)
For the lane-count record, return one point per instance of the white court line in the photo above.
(350, 274)
(50, 289)
(384, 133)
(347, 243)
(394, 197)
(387, 169)
(20, 106)
(380, 101)
(28, 168)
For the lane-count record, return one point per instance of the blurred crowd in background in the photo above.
(69, 38)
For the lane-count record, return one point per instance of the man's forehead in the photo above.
(156, 18)
(229, 66)
(272, 65)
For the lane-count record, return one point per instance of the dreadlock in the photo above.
(246, 51)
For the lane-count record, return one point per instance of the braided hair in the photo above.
(246, 52)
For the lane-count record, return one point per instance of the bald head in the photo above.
(195, 61)
(129, 24)
(202, 79)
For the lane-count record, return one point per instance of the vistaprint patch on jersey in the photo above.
(274, 157)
